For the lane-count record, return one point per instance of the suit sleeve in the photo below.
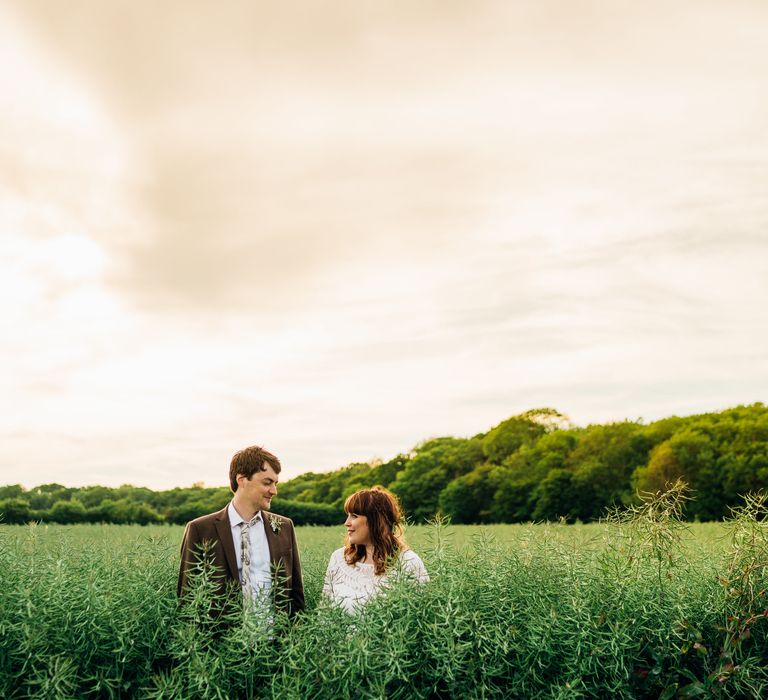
(297, 583)
(189, 547)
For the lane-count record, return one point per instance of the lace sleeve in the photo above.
(331, 574)
(414, 566)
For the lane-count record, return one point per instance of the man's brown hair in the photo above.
(250, 460)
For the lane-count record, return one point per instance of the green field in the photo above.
(645, 607)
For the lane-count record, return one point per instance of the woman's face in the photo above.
(357, 529)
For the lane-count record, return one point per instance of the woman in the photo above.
(374, 550)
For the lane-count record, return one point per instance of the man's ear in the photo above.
(240, 478)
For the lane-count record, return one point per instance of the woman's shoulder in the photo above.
(336, 562)
(412, 563)
(408, 555)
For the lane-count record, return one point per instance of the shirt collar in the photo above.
(236, 519)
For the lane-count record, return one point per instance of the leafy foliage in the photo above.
(641, 606)
(531, 466)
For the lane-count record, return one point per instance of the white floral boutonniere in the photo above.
(275, 524)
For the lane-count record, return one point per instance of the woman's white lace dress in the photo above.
(352, 586)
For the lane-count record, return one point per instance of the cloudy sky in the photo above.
(337, 229)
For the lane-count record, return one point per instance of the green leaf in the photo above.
(668, 692)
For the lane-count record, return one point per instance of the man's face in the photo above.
(260, 489)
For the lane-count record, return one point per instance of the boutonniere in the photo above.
(275, 524)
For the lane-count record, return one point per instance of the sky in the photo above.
(339, 229)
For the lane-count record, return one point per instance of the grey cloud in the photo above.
(147, 55)
(43, 388)
(270, 144)
(228, 231)
(243, 218)
(690, 248)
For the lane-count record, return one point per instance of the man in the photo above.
(246, 543)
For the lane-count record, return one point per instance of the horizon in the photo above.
(570, 425)
(336, 231)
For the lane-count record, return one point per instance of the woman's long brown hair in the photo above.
(385, 525)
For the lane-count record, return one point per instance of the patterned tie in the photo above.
(245, 556)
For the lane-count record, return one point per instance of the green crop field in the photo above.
(641, 606)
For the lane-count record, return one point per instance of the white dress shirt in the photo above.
(261, 573)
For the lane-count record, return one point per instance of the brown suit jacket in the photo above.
(283, 553)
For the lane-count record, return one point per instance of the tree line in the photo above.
(537, 466)
(533, 466)
(130, 504)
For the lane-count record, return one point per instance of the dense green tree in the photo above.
(469, 498)
(662, 470)
(690, 455)
(661, 430)
(189, 510)
(552, 497)
(92, 496)
(509, 435)
(513, 500)
(200, 503)
(66, 512)
(11, 491)
(15, 511)
(310, 513)
(301, 487)
(434, 464)
(602, 462)
(144, 514)
(331, 487)
(124, 511)
(744, 464)
(522, 471)
(533, 465)
(384, 474)
(744, 472)
(44, 496)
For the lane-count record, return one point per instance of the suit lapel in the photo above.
(224, 531)
(273, 542)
